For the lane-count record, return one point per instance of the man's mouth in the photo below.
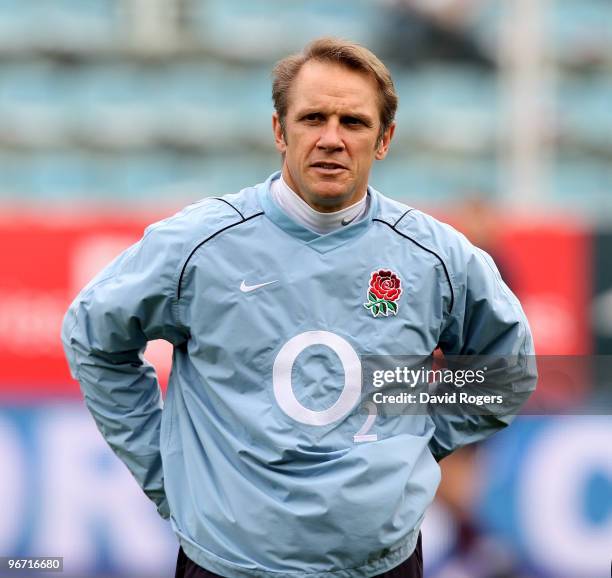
(328, 166)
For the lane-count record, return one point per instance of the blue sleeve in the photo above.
(488, 324)
(105, 332)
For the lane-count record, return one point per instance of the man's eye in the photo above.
(313, 117)
(351, 120)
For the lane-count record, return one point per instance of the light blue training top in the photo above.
(261, 455)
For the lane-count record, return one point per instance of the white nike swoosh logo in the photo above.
(248, 288)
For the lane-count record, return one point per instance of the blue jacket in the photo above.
(260, 455)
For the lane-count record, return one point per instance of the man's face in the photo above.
(331, 135)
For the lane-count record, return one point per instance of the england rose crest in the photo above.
(384, 291)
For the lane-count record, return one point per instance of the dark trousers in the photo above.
(410, 568)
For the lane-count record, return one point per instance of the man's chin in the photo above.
(331, 198)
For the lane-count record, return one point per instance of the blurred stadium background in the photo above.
(114, 113)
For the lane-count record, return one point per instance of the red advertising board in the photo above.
(551, 268)
(46, 259)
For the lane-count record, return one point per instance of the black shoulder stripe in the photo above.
(392, 227)
(230, 204)
(244, 220)
(403, 215)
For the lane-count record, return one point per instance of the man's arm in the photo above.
(105, 332)
(487, 324)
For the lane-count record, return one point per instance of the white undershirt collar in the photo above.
(299, 210)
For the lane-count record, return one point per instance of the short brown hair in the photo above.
(345, 53)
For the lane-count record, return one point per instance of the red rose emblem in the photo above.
(385, 285)
(384, 291)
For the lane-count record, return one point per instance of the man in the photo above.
(261, 457)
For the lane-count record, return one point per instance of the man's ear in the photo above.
(383, 146)
(279, 136)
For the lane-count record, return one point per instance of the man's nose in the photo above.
(330, 137)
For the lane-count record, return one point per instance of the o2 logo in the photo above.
(349, 396)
